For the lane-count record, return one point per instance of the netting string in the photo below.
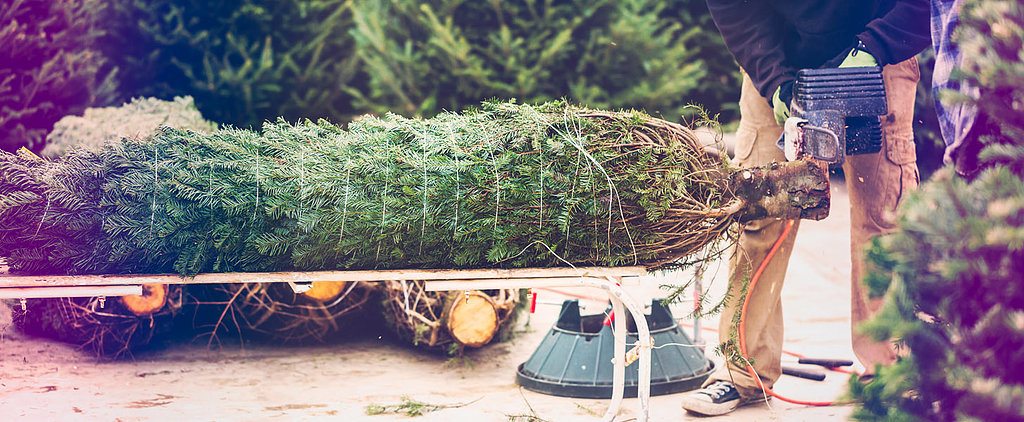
(348, 191)
(156, 181)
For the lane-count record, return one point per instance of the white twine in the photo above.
(302, 180)
(384, 202)
(152, 207)
(256, 208)
(423, 163)
(573, 191)
(616, 198)
(45, 211)
(348, 190)
(497, 190)
(540, 222)
(209, 189)
(455, 152)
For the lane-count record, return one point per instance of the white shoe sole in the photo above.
(707, 408)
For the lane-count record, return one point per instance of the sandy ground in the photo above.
(47, 381)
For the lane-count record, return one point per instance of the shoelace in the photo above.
(717, 389)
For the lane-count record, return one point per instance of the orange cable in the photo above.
(743, 319)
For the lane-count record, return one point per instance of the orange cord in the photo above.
(743, 320)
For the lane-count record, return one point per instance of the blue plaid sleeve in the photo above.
(955, 116)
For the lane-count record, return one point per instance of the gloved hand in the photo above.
(859, 57)
(780, 102)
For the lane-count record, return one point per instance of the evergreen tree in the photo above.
(139, 118)
(952, 274)
(504, 186)
(243, 61)
(425, 57)
(50, 67)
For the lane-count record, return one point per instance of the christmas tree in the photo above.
(952, 275)
(51, 67)
(141, 117)
(505, 185)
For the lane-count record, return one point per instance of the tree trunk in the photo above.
(152, 299)
(447, 321)
(112, 330)
(796, 189)
(471, 318)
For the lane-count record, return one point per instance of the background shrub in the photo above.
(139, 118)
(252, 60)
(48, 67)
(242, 61)
(952, 274)
(423, 57)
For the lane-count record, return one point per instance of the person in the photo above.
(771, 40)
(961, 123)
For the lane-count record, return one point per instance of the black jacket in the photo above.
(772, 39)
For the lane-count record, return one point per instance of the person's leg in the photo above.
(755, 146)
(877, 183)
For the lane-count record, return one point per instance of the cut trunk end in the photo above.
(472, 318)
(152, 299)
(447, 321)
(796, 189)
(325, 291)
(110, 328)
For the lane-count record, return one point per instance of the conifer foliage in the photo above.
(952, 275)
(140, 117)
(50, 67)
(422, 57)
(507, 185)
(243, 61)
(253, 60)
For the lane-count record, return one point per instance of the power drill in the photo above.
(835, 112)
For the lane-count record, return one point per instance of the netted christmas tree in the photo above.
(506, 185)
(141, 117)
(952, 275)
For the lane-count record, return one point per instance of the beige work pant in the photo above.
(876, 184)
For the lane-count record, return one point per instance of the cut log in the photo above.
(112, 330)
(325, 291)
(471, 318)
(152, 299)
(798, 189)
(448, 321)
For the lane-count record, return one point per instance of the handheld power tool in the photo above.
(835, 113)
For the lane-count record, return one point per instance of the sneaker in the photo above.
(718, 398)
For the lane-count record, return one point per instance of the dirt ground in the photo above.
(41, 380)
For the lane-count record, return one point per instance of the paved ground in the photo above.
(42, 380)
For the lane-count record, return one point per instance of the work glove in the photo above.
(857, 56)
(780, 102)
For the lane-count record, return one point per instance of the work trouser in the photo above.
(876, 184)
